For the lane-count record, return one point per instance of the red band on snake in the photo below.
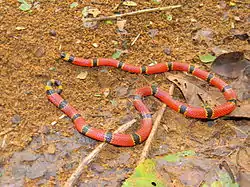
(146, 122)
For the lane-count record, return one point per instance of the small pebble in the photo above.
(95, 45)
(52, 33)
(16, 119)
(97, 168)
(40, 52)
(167, 51)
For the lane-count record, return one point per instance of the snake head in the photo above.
(67, 57)
(51, 84)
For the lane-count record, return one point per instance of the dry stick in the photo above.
(166, 128)
(77, 173)
(136, 38)
(131, 13)
(4, 141)
(55, 122)
(155, 126)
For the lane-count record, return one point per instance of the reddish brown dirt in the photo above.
(26, 57)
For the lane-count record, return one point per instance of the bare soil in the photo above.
(29, 57)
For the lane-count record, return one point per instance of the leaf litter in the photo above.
(180, 49)
(185, 168)
(230, 64)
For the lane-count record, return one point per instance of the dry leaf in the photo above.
(241, 112)
(204, 35)
(89, 24)
(51, 149)
(121, 24)
(192, 92)
(212, 96)
(106, 92)
(242, 84)
(94, 11)
(129, 3)
(230, 64)
(82, 75)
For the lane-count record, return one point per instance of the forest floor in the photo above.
(34, 151)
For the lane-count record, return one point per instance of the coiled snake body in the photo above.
(146, 122)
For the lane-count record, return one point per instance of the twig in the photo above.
(151, 136)
(116, 7)
(6, 131)
(131, 13)
(4, 141)
(238, 129)
(136, 38)
(55, 122)
(155, 126)
(75, 176)
(225, 165)
(166, 128)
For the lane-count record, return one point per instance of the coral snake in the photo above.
(146, 122)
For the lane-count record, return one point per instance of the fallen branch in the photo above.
(151, 136)
(155, 127)
(131, 13)
(75, 176)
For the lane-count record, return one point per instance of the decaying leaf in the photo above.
(241, 112)
(129, 3)
(230, 64)
(242, 84)
(192, 92)
(94, 11)
(106, 92)
(82, 75)
(189, 168)
(203, 35)
(153, 32)
(195, 95)
(219, 51)
(121, 24)
(121, 91)
(87, 11)
(89, 24)
(243, 36)
(90, 10)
